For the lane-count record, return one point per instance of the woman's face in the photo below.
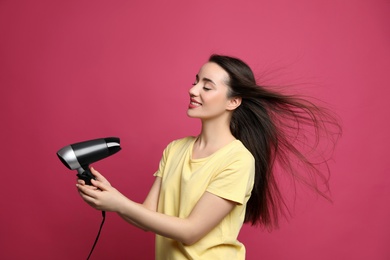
(209, 94)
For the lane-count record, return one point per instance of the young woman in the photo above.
(207, 186)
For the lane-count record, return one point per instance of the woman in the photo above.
(207, 186)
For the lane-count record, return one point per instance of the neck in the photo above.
(215, 132)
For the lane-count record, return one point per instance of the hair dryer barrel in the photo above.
(91, 151)
(84, 153)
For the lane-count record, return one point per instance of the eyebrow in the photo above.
(205, 79)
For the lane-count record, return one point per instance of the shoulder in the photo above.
(182, 141)
(179, 144)
(234, 155)
(237, 151)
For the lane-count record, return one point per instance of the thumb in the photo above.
(98, 175)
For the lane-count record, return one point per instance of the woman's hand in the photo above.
(98, 177)
(101, 195)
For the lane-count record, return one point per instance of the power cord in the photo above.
(97, 237)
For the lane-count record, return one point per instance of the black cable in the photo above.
(97, 237)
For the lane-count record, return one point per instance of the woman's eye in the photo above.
(206, 88)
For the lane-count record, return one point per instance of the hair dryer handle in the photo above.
(86, 175)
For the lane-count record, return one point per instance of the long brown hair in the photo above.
(274, 128)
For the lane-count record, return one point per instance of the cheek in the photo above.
(217, 102)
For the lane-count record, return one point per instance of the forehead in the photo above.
(214, 72)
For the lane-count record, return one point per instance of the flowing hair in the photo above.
(283, 133)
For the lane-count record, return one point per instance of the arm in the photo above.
(150, 202)
(188, 230)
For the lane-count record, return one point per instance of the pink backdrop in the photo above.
(77, 70)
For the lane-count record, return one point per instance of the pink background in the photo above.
(77, 70)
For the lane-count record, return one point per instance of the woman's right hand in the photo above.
(98, 177)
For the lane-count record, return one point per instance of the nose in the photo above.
(194, 90)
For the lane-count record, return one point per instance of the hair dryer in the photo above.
(79, 156)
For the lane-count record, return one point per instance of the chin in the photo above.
(191, 115)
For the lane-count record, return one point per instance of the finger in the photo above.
(87, 191)
(89, 200)
(80, 181)
(99, 185)
(95, 172)
(90, 187)
(98, 175)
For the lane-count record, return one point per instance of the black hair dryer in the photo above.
(79, 156)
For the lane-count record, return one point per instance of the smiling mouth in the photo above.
(194, 104)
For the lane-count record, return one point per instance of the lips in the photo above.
(194, 103)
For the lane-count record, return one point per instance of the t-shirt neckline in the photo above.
(211, 155)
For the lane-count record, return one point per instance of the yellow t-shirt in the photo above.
(228, 173)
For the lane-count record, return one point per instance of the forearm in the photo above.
(151, 202)
(129, 220)
(164, 225)
(132, 222)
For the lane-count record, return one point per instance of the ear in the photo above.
(233, 103)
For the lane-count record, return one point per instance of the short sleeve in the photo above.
(163, 161)
(235, 181)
